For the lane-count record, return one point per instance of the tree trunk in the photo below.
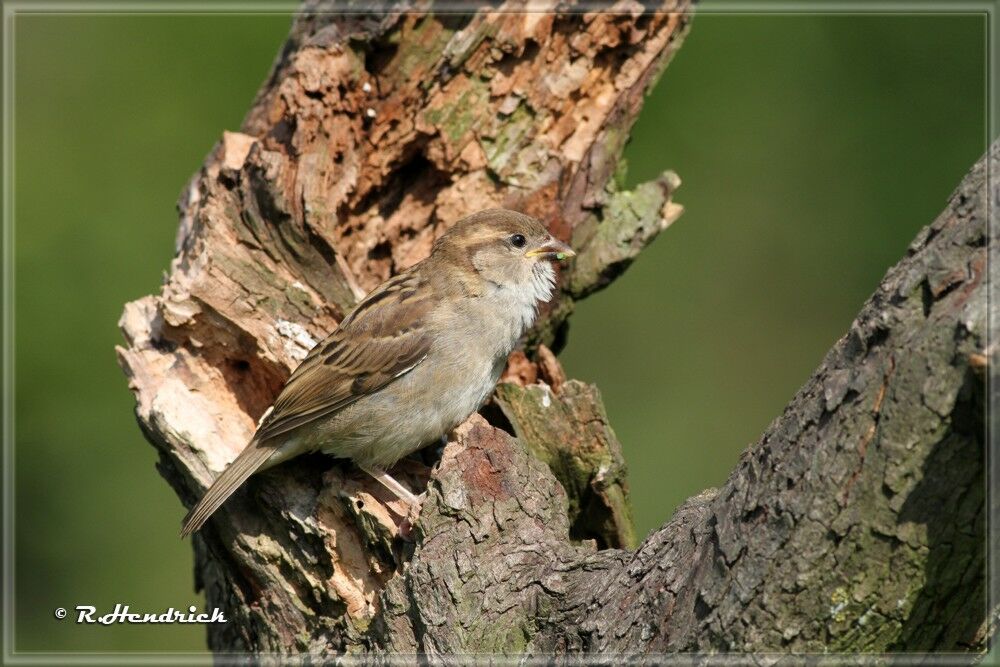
(857, 523)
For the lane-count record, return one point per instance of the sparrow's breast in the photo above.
(457, 376)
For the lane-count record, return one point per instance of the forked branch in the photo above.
(856, 523)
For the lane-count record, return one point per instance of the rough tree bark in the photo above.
(856, 523)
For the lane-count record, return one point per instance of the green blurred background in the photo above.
(812, 149)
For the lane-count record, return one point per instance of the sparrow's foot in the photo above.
(395, 487)
(406, 530)
(414, 502)
(415, 509)
(406, 525)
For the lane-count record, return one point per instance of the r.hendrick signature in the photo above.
(121, 614)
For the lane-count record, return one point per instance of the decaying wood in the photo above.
(373, 133)
(855, 524)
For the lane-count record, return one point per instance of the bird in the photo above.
(412, 360)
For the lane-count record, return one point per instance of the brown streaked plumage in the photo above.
(413, 359)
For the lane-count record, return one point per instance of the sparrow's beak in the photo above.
(551, 249)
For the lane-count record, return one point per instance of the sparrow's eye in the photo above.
(518, 240)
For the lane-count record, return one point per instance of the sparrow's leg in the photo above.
(397, 489)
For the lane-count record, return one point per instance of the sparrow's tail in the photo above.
(247, 463)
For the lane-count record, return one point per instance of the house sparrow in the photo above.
(413, 360)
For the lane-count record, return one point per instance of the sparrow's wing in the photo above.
(383, 338)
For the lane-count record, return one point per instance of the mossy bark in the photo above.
(857, 523)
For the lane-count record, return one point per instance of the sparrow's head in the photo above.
(508, 249)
